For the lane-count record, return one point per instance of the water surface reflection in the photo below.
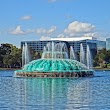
(55, 94)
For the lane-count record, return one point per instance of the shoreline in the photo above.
(10, 68)
(101, 68)
(21, 68)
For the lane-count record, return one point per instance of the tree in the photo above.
(5, 49)
(10, 56)
(102, 58)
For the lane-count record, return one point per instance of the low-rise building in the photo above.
(74, 42)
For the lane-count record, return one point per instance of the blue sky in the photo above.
(22, 20)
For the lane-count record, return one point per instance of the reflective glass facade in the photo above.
(108, 44)
(101, 45)
(39, 45)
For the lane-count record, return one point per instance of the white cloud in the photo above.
(26, 17)
(61, 35)
(52, 29)
(76, 28)
(45, 38)
(90, 34)
(19, 31)
(98, 35)
(46, 31)
(41, 31)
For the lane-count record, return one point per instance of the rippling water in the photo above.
(55, 94)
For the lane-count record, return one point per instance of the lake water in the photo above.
(55, 94)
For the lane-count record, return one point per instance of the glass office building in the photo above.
(39, 45)
(35, 45)
(101, 45)
(108, 44)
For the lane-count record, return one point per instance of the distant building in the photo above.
(108, 44)
(75, 42)
(35, 45)
(101, 45)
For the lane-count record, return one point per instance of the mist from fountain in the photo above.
(44, 50)
(89, 58)
(26, 56)
(82, 54)
(55, 51)
(23, 55)
(72, 54)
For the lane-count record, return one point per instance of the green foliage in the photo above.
(37, 55)
(10, 56)
(108, 64)
(102, 58)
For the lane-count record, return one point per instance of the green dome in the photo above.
(54, 65)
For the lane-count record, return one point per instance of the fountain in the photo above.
(72, 54)
(89, 58)
(55, 62)
(26, 56)
(82, 54)
(23, 55)
(55, 51)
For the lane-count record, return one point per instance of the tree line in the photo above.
(10, 56)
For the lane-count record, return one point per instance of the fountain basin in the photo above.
(54, 68)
